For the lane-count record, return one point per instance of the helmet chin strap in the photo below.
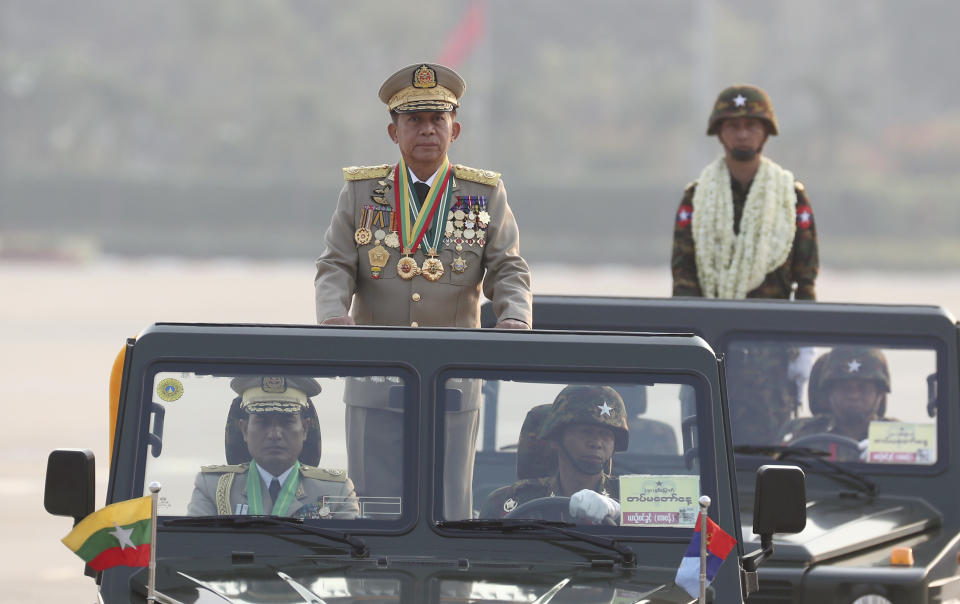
(743, 154)
(587, 468)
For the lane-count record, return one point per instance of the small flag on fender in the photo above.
(719, 544)
(117, 535)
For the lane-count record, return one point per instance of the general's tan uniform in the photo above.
(222, 490)
(344, 272)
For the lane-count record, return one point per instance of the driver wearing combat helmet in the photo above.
(585, 426)
(848, 390)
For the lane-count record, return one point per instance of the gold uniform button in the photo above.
(414, 324)
(416, 297)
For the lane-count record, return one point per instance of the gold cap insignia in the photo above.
(424, 77)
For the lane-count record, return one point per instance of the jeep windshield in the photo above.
(850, 401)
(631, 440)
(270, 442)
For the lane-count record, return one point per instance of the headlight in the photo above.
(871, 599)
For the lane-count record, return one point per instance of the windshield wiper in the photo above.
(842, 475)
(507, 525)
(358, 547)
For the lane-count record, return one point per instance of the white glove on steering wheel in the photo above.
(593, 506)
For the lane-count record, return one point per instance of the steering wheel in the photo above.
(847, 448)
(550, 508)
(543, 508)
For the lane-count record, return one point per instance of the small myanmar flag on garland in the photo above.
(117, 535)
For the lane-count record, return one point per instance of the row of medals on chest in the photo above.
(462, 227)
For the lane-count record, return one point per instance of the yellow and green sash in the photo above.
(284, 499)
(414, 222)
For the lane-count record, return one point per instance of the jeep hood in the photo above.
(838, 526)
(424, 580)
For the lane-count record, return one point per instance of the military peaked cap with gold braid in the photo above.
(274, 394)
(423, 87)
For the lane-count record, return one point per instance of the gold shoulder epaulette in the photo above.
(235, 468)
(690, 186)
(365, 172)
(799, 185)
(484, 177)
(323, 473)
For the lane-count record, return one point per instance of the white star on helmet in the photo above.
(853, 366)
(739, 100)
(605, 409)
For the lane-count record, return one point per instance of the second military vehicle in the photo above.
(865, 398)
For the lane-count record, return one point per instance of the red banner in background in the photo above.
(465, 36)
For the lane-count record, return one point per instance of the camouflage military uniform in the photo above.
(762, 394)
(502, 501)
(801, 266)
(841, 363)
(578, 404)
(802, 263)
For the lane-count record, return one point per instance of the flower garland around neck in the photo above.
(731, 264)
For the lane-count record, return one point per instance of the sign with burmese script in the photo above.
(657, 500)
(901, 442)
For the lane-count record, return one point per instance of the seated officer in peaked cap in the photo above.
(584, 426)
(414, 243)
(275, 419)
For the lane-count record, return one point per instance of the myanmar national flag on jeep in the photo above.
(117, 535)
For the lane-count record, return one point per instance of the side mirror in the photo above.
(780, 500)
(779, 506)
(69, 488)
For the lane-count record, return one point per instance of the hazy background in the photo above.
(179, 161)
(190, 128)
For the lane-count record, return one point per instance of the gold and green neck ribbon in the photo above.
(413, 222)
(284, 499)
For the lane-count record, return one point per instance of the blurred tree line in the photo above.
(149, 124)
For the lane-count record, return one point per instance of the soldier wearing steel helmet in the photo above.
(848, 390)
(744, 228)
(584, 427)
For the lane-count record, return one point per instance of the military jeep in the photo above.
(883, 520)
(174, 421)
